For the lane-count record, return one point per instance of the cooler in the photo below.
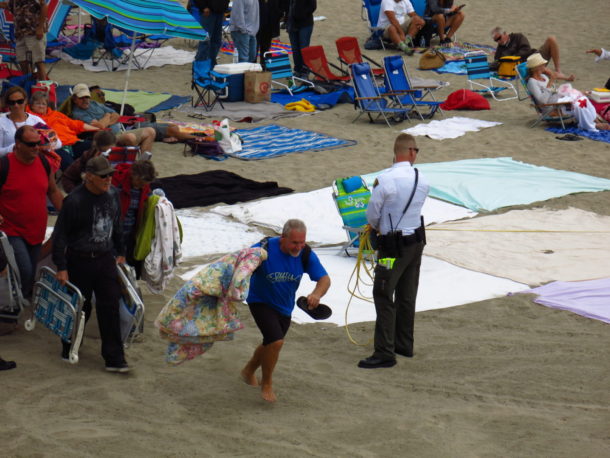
(236, 78)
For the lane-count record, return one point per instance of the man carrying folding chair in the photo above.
(30, 34)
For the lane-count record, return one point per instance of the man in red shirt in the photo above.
(23, 202)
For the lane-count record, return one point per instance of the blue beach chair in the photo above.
(371, 101)
(12, 301)
(352, 197)
(278, 63)
(397, 81)
(210, 86)
(480, 75)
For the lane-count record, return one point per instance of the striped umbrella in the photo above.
(166, 17)
(146, 16)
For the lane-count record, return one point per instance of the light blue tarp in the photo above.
(492, 183)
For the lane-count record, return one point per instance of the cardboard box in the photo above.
(257, 87)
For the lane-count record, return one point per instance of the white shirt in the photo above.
(401, 9)
(390, 196)
(604, 55)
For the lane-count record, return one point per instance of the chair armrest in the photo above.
(338, 68)
(372, 61)
(556, 104)
(370, 98)
(219, 75)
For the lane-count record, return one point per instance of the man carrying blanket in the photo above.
(394, 211)
(272, 296)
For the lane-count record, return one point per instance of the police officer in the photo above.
(394, 211)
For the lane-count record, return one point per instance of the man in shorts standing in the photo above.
(30, 20)
(272, 296)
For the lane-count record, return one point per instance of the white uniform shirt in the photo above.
(390, 196)
(604, 55)
(401, 10)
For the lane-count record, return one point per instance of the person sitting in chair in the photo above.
(445, 14)
(516, 44)
(540, 84)
(400, 22)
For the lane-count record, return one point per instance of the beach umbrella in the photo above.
(167, 17)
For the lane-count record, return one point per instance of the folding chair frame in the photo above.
(476, 56)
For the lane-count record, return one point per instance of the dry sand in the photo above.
(502, 377)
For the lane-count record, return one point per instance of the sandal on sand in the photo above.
(570, 137)
(321, 312)
(6, 365)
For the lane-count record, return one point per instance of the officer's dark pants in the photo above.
(395, 292)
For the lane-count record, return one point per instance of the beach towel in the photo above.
(213, 187)
(165, 55)
(441, 285)
(600, 135)
(276, 46)
(528, 246)
(144, 101)
(344, 94)
(449, 128)
(319, 212)
(491, 183)
(242, 111)
(590, 299)
(272, 141)
(205, 309)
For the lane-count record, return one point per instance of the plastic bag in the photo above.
(229, 141)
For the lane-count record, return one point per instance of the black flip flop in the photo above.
(7, 365)
(321, 312)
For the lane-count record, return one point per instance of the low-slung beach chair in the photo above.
(371, 101)
(370, 13)
(131, 306)
(479, 75)
(316, 62)
(349, 53)
(59, 309)
(12, 301)
(397, 80)
(278, 63)
(352, 197)
(210, 86)
(551, 113)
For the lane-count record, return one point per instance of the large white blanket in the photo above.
(450, 127)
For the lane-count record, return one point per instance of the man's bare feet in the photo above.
(250, 379)
(267, 393)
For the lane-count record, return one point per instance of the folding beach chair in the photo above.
(316, 62)
(59, 309)
(369, 100)
(397, 80)
(144, 45)
(278, 63)
(349, 53)
(123, 155)
(551, 113)
(370, 13)
(131, 305)
(12, 301)
(352, 197)
(209, 85)
(478, 70)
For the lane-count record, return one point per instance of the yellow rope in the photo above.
(364, 251)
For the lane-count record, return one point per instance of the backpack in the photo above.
(4, 167)
(305, 253)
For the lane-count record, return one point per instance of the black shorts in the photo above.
(273, 324)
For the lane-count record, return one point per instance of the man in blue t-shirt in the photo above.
(273, 287)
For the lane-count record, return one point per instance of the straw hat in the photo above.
(535, 60)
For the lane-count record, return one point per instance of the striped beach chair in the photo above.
(352, 197)
(480, 77)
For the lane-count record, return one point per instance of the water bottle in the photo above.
(422, 42)
(235, 55)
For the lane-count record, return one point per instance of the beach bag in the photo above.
(507, 66)
(207, 149)
(432, 59)
(257, 87)
(463, 99)
(373, 42)
(229, 141)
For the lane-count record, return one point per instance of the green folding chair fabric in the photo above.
(352, 197)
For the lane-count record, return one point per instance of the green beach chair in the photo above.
(352, 198)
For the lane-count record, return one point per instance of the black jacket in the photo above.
(299, 13)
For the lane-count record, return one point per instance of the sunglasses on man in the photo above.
(105, 175)
(31, 144)
(15, 102)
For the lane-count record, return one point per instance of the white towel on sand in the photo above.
(450, 128)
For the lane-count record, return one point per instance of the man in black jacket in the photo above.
(86, 239)
(211, 15)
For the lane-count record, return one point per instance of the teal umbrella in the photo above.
(167, 17)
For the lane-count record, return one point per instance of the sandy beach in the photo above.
(501, 377)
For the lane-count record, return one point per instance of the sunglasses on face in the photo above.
(15, 102)
(31, 144)
(84, 97)
(498, 38)
(106, 175)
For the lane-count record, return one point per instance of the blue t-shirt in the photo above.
(93, 113)
(276, 281)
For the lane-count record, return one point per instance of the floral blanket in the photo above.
(204, 309)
